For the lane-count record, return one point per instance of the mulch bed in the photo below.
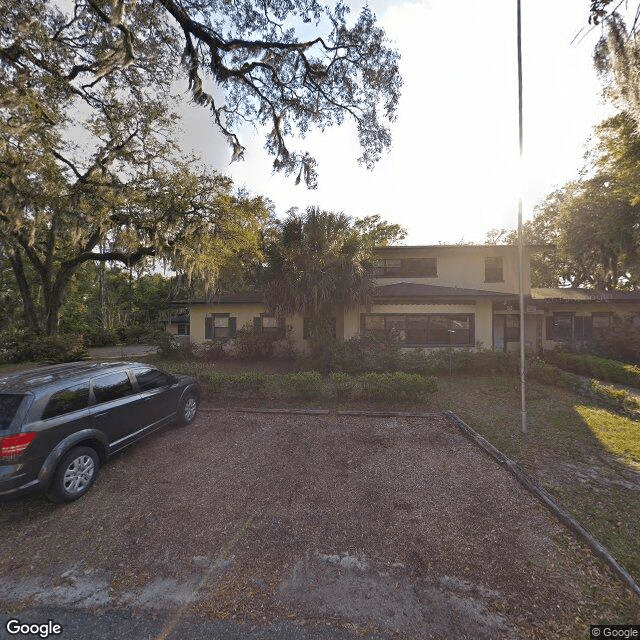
(399, 525)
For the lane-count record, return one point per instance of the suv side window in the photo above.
(112, 386)
(151, 379)
(67, 401)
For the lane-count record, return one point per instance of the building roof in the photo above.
(400, 248)
(247, 296)
(416, 290)
(583, 295)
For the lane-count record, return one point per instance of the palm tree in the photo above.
(319, 262)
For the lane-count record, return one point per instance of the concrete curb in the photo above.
(325, 412)
(545, 497)
(310, 412)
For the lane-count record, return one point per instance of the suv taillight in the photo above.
(12, 446)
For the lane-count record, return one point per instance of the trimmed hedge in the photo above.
(387, 387)
(596, 367)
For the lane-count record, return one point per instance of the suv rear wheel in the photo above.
(74, 475)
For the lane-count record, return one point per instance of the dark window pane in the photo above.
(183, 329)
(493, 270)
(9, 403)
(417, 329)
(460, 331)
(562, 326)
(394, 329)
(67, 400)
(221, 332)
(112, 387)
(374, 326)
(151, 379)
(438, 330)
(424, 267)
(512, 328)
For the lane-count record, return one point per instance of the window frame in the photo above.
(184, 326)
(210, 331)
(93, 401)
(406, 268)
(488, 268)
(451, 317)
(86, 384)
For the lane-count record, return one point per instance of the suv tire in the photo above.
(74, 475)
(188, 409)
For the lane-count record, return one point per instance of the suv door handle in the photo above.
(99, 415)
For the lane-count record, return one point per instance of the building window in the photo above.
(600, 321)
(219, 326)
(416, 267)
(493, 270)
(420, 329)
(560, 327)
(183, 328)
(635, 321)
(269, 325)
(512, 328)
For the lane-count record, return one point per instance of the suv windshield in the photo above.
(9, 403)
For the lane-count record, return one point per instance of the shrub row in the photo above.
(363, 354)
(617, 399)
(398, 386)
(595, 367)
(21, 346)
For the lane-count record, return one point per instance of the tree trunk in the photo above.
(30, 315)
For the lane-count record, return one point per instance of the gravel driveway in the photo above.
(391, 526)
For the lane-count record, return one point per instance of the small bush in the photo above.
(392, 387)
(342, 385)
(98, 336)
(251, 344)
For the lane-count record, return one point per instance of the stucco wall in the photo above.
(464, 268)
(244, 314)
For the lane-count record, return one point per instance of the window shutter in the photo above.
(578, 327)
(232, 327)
(549, 328)
(363, 325)
(257, 323)
(282, 327)
(208, 328)
(305, 328)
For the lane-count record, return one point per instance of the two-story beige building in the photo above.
(438, 296)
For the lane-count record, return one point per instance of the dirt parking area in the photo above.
(396, 527)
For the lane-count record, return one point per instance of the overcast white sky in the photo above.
(451, 174)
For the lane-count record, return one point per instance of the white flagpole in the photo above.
(523, 404)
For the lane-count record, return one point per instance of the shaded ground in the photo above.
(395, 526)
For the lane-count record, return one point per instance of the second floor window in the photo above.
(417, 267)
(493, 270)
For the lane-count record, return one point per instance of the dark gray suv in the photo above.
(58, 424)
